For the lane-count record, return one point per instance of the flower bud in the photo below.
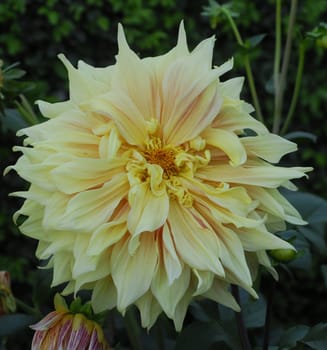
(283, 255)
(64, 329)
(7, 300)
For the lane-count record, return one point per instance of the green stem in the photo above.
(133, 330)
(283, 75)
(297, 86)
(240, 321)
(277, 49)
(247, 65)
(270, 299)
(28, 309)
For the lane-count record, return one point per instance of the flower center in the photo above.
(163, 156)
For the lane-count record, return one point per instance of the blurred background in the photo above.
(34, 32)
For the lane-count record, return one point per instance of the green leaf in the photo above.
(254, 312)
(202, 335)
(312, 207)
(317, 337)
(301, 135)
(10, 324)
(13, 120)
(14, 74)
(256, 40)
(293, 335)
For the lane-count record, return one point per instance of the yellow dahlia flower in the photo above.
(146, 186)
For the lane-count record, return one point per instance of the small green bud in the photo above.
(283, 255)
(322, 42)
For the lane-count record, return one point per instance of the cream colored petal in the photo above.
(219, 292)
(106, 235)
(104, 295)
(228, 142)
(82, 174)
(143, 205)
(197, 246)
(82, 262)
(189, 104)
(232, 88)
(235, 199)
(271, 201)
(260, 239)
(54, 210)
(232, 254)
(53, 110)
(132, 275)
(169, 294)
(100, 74)
(110, 144)
(59, 241)
(261, 175)
(81, 86)
(62, 267)
(181, 310)
(120, 108)
(265, 261)
(36, 171)
(269, 147)
(205, 280)
(215, 214)
(100, 269)
(234, 117)
(87, 210)
(172, 262)
(149, 310)
(135, 78)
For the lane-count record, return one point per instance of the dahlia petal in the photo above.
(109, 145)
(98, 204)
(271, 201)
(62, 262)
(133, 72)
(102, 74)
(169, 294)
(104, 295)
(126, 269)
(265, 261)
(232, 87)
(269, 147)
(82, 174)
(219, 293)
(232, 254)
(189, 106)
(54, 209)
(172, 262)
(261, 175)
(81, 86)
(228, 142)
(261, 239)
(198, 246)
(181, 309)
(83, 262)
(48, 321)
(234, 117)
(106, 235)
(53, 110)
(149, 309)
(122, 110)
(205, 280)
(142, 206)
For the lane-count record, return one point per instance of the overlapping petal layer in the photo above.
(147, 189)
